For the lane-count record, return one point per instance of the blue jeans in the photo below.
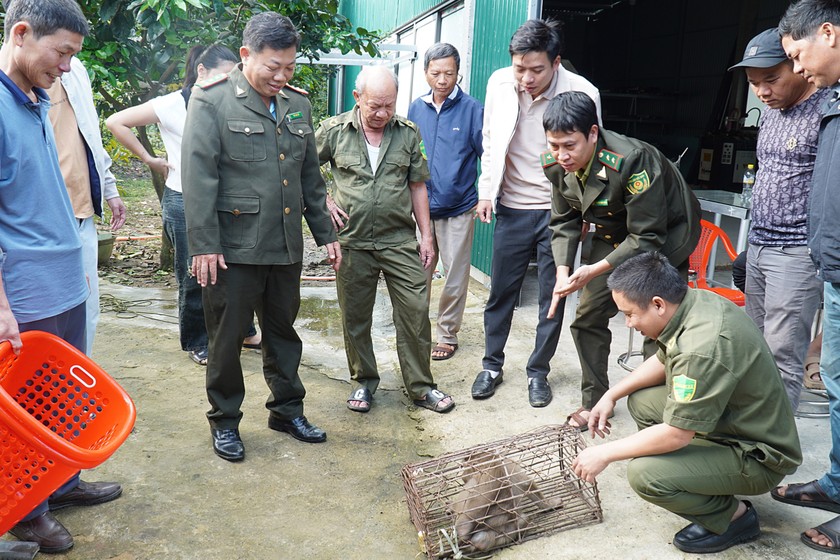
(516, 235)
(830, 372)
(190, 311)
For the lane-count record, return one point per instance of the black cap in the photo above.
(763, 51)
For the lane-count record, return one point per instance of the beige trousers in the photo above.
(453, 245)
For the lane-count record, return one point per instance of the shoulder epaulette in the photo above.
(405, 121)
(297, 89)
(611, 159)
(547, 159)
(212, 81)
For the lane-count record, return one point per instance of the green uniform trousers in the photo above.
(699, 481)
(406, 280)
(591, 328)
(273, 292)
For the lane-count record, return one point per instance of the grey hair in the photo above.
(441, 50)
(803, 18)
(45, 17)
(362, 78)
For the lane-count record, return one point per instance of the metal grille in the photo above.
(500, 493)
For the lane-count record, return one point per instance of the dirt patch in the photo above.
(136, 260)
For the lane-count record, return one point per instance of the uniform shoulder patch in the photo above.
(212, 81)
(547, 159)
(611, 159)
(423, 150)
(684, 388)
(297, 89)
(638, 182)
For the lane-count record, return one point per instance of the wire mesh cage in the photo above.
(500, 493)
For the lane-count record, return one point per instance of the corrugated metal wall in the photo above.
(383, 16)
(495, 22)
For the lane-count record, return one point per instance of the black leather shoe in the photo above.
(45, 530)
(87, 494)
(227, 444)
(18, 550)
(299, 428)
(539, 392)
(700, 540)
(484, 385)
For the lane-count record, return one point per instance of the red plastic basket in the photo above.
(59, 413)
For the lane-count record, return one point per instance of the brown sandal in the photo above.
(809, 494)
(445, 351)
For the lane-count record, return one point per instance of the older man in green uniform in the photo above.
(637, 200)
(380, 173)
(250, 171)
(714, 419)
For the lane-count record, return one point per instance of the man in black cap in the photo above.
(782, 289)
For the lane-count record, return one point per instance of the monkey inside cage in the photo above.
(480, 499)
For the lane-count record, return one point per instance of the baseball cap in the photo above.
(763, 51)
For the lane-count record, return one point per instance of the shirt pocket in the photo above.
(298, 132)
(239, 221)
(246, 140)
(396, 168)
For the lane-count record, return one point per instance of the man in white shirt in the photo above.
(512, 185)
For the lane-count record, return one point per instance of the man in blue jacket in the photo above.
(450, 124)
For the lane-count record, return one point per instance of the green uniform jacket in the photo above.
(378, 204)
(635, 196)
(723, 382)
(247, 178)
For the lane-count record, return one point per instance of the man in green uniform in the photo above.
(714, 419)
(250, 171)
(637, 200)
(380, 173)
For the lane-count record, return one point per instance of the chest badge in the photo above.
(684, 388)
(791, 143)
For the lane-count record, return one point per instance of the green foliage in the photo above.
(137, 48)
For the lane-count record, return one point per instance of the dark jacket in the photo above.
(824, 204)
(452, 142)
(635, 196)
(248, 177)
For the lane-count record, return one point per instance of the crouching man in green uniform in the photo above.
(712, 412)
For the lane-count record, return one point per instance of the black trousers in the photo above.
(273, 292)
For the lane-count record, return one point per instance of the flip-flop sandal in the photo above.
(250, 346)
(817, 498)
(433, 401)
(362, 394)
(582, 423)
(828, 529)
(446, 353)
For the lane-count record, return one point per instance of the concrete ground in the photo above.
(344, 499)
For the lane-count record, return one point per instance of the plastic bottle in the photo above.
(748, 182)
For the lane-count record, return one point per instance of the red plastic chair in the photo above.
(698, 262)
